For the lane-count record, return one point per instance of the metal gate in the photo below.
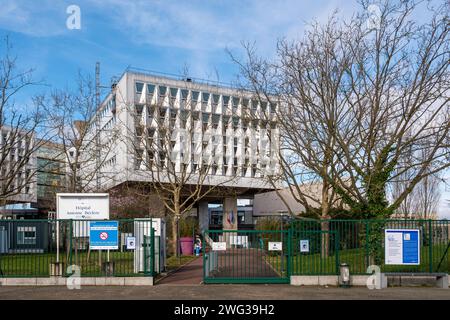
(250, 256)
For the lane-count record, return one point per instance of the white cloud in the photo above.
(214, 25)
(40, 19)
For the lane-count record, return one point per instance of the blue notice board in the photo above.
(402, 246)
(104, 235)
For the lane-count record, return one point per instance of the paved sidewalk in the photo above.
(221, 292)
(191, 273)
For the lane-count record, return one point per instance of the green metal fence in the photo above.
(249, 256)
(28, 248)
(245, 255)
(360, 243)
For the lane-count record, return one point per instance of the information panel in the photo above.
(104, 235)
(402, 246)
(304, 245)
(275, 246)
(82, 206)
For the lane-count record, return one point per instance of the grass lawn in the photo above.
(356, 259)
(37, 264)
(173, 262)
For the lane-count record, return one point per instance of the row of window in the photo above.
(216, 217)
(203, 97)
(108, 111)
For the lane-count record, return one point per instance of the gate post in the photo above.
(289, 254)
(430, 244)
(336, 248)
(152, 252)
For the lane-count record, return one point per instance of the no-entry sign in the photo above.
(104, 235)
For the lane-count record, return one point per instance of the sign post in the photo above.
(104, 235)
(80, 206)
(402, 246)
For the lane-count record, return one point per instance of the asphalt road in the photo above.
(221, 292)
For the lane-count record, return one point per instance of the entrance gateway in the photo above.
(250, 256)
(268, 256)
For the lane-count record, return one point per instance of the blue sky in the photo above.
(158, 35)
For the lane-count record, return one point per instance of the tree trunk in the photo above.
(325, 226)
(175, 236)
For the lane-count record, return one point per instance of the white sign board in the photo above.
(402, 246)
(219, 246)
(304, 245)
(82, 206)
(131, 243)
(275, 246)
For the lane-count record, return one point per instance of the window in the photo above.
(225, 100)
(263, 106)
(273, 107)
(184, 94)
(139, 109)
(150, 89)
(235, 102)
(235, 123)
(205, 97)
(139, 87)
(162, 91)
(254, 105)
(241, 217)
(216, 217)
(26, 235)
(215, 99)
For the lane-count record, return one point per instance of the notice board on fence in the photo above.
(402, 246)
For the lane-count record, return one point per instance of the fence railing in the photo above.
(360, 244)
(28, 248)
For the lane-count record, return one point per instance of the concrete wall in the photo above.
(61, 281)
(270, 203)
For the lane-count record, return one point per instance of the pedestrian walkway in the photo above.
(191, 273)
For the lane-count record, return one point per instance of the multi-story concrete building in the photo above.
(50, 176)
(17, 166)
(208, 122)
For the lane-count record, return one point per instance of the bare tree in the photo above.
(423, 200)
(397, 92)
(359, 102)
(19, 126)
(175, 150)
(71, 115)
(428, 196)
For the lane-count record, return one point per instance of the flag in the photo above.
(230, 217)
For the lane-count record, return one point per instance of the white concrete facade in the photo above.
(230, 130)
